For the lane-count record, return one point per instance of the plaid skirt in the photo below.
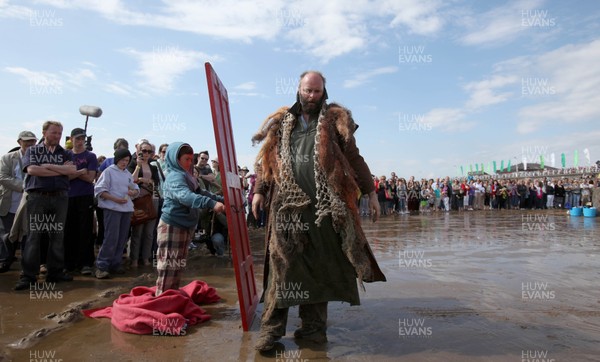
(171, 255)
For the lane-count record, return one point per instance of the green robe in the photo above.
(319, 271)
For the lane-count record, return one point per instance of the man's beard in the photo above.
(311, 108)
(51, 142)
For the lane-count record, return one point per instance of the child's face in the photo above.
(185, 161)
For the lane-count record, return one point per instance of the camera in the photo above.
(88, 143)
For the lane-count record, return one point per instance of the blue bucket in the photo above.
(589, 212)
(576, 211)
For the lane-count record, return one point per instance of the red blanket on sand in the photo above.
(141, 312)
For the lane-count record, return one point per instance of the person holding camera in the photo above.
(145, 175)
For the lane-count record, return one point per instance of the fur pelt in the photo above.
(337, 190)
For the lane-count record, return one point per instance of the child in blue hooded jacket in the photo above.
(179, 215)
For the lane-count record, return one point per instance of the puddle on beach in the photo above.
(480, 286)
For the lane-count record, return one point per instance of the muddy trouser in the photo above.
(314, 316)
(46, 214)
(7, 250)
(116, 228)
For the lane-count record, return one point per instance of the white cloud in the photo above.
(341, 28)
(247, 94)
(447, 119)
(344, 29)
(557, 87)
(78, 77)
(230, 19)
(246, 86)
(245, 90)
(572, 80)
(40, 81)
(35, 77)
(324, 29)
(119, 89)
(8, 10)
(499, 25)
(160, 68)
(483, 93)
(364, 77)
(419, 16)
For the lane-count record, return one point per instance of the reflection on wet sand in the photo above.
(481, 286)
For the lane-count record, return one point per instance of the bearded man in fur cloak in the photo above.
(310, 175)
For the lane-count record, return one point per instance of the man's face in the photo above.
(53, 135)
(25, 144)
(78, 142)
(203, 159)
(311, 93)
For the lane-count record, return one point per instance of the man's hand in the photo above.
(210, 177)
(258, 202)
(219, 208)
(374, 206)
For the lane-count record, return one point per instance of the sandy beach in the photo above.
(471, 286)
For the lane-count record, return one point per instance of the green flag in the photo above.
(495, 167)
(477, 167)
(576, 159)
(563, 160)
(542, 162)
(482, 168)
(501, 165)
(462, 171)
(471, 168)
(508, 167)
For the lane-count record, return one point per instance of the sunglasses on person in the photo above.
(204, 158)
(146, 151)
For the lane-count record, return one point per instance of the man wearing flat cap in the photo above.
(11, 191)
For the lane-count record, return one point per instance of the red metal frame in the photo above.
(234, 200)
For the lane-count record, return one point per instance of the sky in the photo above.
(436, 87)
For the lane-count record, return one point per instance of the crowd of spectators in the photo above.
(401, 196)
(68, 211)
(82, 223)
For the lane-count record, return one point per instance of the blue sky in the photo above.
(434, 85)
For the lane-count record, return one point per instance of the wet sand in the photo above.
(469, 286)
